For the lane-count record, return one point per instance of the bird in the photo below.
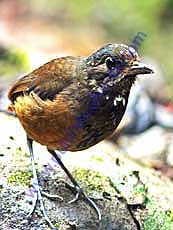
(72, 103)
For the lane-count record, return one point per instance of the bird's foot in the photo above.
(52, 196)
(81, 194)
(38, 199)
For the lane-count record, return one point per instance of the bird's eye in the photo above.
(112, 63)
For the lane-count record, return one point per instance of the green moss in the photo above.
(92, 180)
(98, 159)
(20, 178)
(21, 153)
(57, 226)
(157, 219)
(18, 150)
(135, 191)
(141, 189)
(170, 215)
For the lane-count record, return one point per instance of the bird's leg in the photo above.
(77, 188)
(37, 187)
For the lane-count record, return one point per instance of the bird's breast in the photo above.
(46, 122)
(75, 120)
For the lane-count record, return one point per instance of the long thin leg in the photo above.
(76, 185)
(36, 186)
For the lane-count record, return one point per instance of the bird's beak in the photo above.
(139, 68)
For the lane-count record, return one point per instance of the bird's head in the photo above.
(113, 63)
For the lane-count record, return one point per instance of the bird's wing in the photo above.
(47, 80)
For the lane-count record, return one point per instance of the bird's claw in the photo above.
(51, 196)
(38, 198)
(75, 199)
(75, 189)
(80, 194)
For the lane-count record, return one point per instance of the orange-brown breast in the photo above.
(47, 122)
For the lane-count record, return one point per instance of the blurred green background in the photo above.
(40, 30)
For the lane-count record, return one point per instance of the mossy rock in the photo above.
(93, 181)
(20, 178)
(157, 219)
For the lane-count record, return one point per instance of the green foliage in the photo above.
(118, 21)
(12, 61)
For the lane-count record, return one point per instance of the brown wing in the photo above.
(47, 80)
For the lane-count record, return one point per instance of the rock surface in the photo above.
(129, 194)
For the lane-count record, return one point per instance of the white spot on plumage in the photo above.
(115, 102)
(119, 99)
(124, 101)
